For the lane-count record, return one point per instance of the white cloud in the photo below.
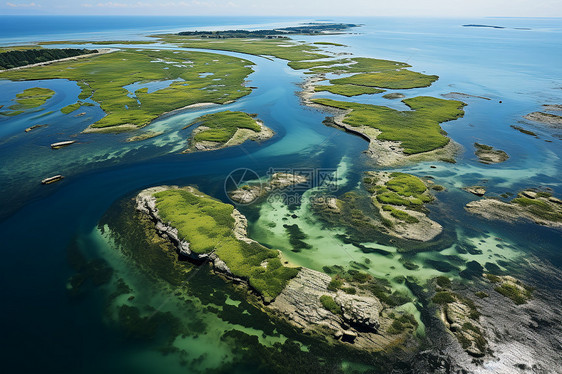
(193, 4)
(23, 5)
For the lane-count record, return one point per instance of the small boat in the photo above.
(62, 144)
(80, 114)
(52, 179)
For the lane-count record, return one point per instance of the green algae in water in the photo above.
(216, 325)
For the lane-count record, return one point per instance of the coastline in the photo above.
(384, 153)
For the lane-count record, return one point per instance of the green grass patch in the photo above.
(223, 125)
(363, 65)
(103, 77)
(417, 130)
(32, 98)
(540, 208)
(402, 189)
(406, 185)
(329, 304)
(443, 282)
(392, 79)
(401, 323)
(493, 278)
(70, 108)
(443, 297)
(481, 294)
(400, 214)
(335, 284)
(348, 89)
(392, 198)
(207, 225)
(519, 295)
(330, 43)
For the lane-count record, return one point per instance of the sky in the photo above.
(310, 8)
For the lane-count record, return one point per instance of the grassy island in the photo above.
(208, 225)
(29, 99)
(348, 89)
(223, 129)
(103, 77)
(417, 130)
(400, 200)
(392, 79)
(356, 65)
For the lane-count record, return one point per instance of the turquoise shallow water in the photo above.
(519, 67)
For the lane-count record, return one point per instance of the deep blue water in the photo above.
(43, 329)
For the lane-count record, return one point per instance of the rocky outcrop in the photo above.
(541, 209)
(467, 330)
(249, 193)
(360, 312)
(363, 320)
(476, 190)
(553, 120)
(394, 96)
(300, 301)
(489, 155)
(511, 287)
(552, 107)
